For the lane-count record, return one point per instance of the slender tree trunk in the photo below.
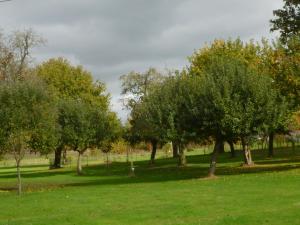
(214, 156)
(232, 150)
(127, 155)
(64, 156)
(57, 158)
(79, 166)
(19, 178)
(271, 147)
(153, 152)
(182, 158)
(131, 172)
(175, 150)
(107, 159)
(247, 154)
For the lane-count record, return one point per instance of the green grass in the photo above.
(268, 193)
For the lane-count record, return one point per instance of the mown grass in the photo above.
(267, 193)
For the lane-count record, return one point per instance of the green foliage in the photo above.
(120, 146)
(282, 63)
(72, 82)
(232, 93)
(287, 20)
(248, 53)
(86, 126)
(27, 117)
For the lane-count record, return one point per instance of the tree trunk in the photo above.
(221, 148)
(175, 150)
(79, 166)
(182, 158)
(247, 154)
(232, 150)
(57, 158)
(214, 156)
(64, 156)
(131, 172)
(271, 147)
(19, 178)
(153, 152)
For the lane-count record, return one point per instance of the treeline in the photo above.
(231, 91)
(54, 106)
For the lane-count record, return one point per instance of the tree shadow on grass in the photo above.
(165, 170)
(35, 174)
(174, 173)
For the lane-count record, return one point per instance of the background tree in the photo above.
(164, 113)
(71, 82)
(27, 120)
(85, 126)
(136, 85)
(287, 20)
(15, 53)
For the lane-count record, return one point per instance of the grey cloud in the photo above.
(113, 37)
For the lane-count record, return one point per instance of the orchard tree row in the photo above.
(231, 91)
(52, 107)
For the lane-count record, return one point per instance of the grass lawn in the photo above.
(268, 193)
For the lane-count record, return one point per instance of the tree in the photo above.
(27, 120)
(287, 20)
(135, 87)
(232, 100)
(164, 114)
(142, 127)
(85, 126)
(282, 64)
(71, 82)
(15, 53)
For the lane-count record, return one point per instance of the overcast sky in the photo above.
(113, 37)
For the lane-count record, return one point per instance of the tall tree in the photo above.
(287, 20)
(135, 87)
(71, 82)
(27, 120)
(231, 97)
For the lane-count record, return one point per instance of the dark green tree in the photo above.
(287, 20)
(232, 100)
(27, 120)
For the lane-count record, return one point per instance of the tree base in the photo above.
(247, 165)
(210, 177)
(53, 167)
(131, 174)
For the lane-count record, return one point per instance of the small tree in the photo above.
(85, 126)
(27, 120)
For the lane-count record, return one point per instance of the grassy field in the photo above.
(268, 193)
